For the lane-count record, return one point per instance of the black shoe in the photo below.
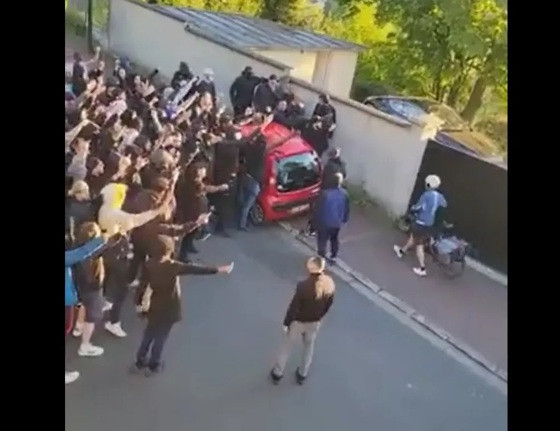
(275, 379)
(136, 368)
(299, 378)
(223, 233)
(331, 261)
(150, 371)
(243, 229)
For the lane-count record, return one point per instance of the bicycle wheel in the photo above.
(452, 268)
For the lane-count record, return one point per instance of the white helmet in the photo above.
(432, 181)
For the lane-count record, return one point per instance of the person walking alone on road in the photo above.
(312, 300)
(331, 211)
(423, 226)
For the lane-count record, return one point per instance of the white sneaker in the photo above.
(107, 306)
(398, 251)
(77, 332)
(90, 350)
(419, 271)
(71, 376)
(115, 329)
(134, 284)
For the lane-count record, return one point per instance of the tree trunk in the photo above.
(90, 25)
(475, 99)
(455, 91)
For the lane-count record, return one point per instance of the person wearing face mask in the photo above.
(206, 84)
(316, 134)
(242, 89)
(266, 97)
(325, 110)
(183, 74)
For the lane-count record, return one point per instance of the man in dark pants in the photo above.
(332, 210)
(333, 166)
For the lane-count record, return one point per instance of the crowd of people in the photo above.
(151, 171)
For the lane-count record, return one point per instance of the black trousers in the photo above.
(153, 342)
(224, 206)
(138, 262)
(324, 236)
(187, 244)
(116, 286)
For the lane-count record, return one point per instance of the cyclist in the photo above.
(422, 227)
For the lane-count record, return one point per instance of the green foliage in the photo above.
(434, 48)
(442, 46)
(295, 13)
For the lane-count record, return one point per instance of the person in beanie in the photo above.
(162, 274)
(331, 211)
(312, 300)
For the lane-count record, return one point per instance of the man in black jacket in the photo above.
(326, 111)
(242, 89)
(183, 74)
(334, 166)
(266, 97)
(206, 84)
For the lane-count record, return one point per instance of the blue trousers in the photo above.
(250, 193)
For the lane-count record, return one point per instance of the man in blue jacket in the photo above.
(332, 210)
(422, 229)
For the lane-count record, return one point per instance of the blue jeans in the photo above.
(251, 190)
(155, 336)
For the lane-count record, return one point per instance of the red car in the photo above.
(292, 178)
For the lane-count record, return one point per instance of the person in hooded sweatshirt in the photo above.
(112, 219)
(183, 74)
(312, 300)
(325, 110)
(144, 236)
(242, 89)
(162, 275)
(265, 97)
(331, 211)
(206, 84)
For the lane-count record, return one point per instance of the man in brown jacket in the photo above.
(311, 302)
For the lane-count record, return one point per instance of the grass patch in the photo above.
(359, 197)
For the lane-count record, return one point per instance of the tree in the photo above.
(454, 47)
(295, 13)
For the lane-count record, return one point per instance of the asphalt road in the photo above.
(370, 370)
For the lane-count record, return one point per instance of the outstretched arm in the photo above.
(195, 269)
(72, 257)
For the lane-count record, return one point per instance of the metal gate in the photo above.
(476, 191)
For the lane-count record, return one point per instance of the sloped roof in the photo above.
(250, 32)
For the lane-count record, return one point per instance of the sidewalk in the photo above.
(472, 308)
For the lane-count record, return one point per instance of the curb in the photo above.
(406, 309)
(487, 271)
